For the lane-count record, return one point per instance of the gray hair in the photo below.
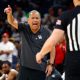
(34, 11)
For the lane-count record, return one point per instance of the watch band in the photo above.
(49, 63)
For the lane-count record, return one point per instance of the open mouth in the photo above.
(35, 23)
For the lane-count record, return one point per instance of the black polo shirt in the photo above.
(69, 22)
(31, 44)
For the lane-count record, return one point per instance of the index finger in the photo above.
(9, 6)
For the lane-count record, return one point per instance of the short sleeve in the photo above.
(62, 21)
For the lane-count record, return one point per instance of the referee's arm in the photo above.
(55, 37)
(10, 17)
(57, 34)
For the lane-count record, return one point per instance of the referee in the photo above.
(68, 23)
(33, 36)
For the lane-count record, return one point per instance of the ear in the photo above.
(28, 20)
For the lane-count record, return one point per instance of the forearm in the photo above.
(10, 18)
(47, 46)
(12, 21)
(52, 41)
(52, 55)
(8, 52)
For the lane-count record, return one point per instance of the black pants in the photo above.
(55, 75)
(72, 66)
(30, 74)
(60, 68)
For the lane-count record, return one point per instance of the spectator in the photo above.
(2, 75)
(7, 48)
(49, 19)
(4, 27)
(60, 10)
(10, 74)
(19, 15)
(18, 67)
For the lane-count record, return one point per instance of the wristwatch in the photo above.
(49, 63)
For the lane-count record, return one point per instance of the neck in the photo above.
(35, 30)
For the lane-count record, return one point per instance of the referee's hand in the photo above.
(39, 58)
(49, 70)
(8, 10)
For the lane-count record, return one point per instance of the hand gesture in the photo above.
(49, 70)
(8, 10)
(39, 57)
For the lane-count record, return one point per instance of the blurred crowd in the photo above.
(10, 42)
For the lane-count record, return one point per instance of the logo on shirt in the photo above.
(39, 36)
(58, 22)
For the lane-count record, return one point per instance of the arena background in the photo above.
(49, 10)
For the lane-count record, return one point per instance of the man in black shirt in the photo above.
(68, 23)
(33, 37)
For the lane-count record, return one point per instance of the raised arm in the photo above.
(10, 17)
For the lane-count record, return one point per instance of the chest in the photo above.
(37, 39)
(5, 46)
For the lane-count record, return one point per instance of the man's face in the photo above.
(5, 39)
(5, 68)
(34, 21)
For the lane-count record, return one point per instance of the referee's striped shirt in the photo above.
(70, 23)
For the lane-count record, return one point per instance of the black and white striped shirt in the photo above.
(70, 23)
